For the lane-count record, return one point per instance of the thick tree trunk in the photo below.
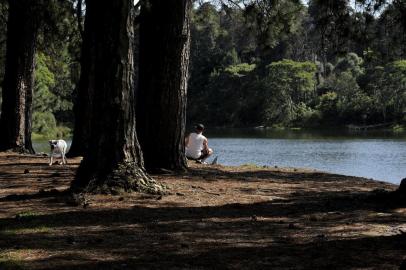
(161, 97)
(114, 160)
(16, 112)
(83, 104)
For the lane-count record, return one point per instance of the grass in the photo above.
(12, 260)
(251, 166)
(399, 128)
(26, 214)
(26, 225)
(19, 231)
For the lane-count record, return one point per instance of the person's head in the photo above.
(199, 128)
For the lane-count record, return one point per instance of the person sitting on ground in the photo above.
(197, 147)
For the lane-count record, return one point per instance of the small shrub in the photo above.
(44, 123)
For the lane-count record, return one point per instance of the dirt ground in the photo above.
(214, 217)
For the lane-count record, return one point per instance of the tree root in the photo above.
(126, 178)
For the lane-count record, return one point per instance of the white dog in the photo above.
(58, 147)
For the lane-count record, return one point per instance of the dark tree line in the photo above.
(249, 59)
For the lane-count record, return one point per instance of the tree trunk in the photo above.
(114, 160)
(161, 97)
(22, 30)
(83, 104)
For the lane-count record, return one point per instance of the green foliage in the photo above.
(387, 88)
(339, 65)
(297, 77)
(49, 96)
(399, 128)
(45, 100)
(231, 57)
(307, 116)
(44, 123)
(240, 70)
(328, 105)
(395, 87)
(344, 84)
(274, 63)
(357, 108)
(273, 22)
(350, 63)
(289, 88)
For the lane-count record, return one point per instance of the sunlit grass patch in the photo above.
(11, 260)
(26, 214)
(250, 166)
(26, 222)
(18, 231)
(399, 128)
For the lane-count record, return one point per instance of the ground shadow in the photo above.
(201, 237)
(320, 223)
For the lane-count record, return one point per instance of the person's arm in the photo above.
(187, 140)
(206, 145)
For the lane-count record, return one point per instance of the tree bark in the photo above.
(161, 97)
(114, 160)
(83, 104)
(16, 113)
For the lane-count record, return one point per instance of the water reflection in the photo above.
(305, 134)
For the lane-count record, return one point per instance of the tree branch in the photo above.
(232, 2)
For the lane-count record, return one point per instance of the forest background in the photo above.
(283, 64)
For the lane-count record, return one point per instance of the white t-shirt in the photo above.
(195, 145)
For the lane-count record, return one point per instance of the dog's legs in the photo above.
(51, 160)
(63, 158)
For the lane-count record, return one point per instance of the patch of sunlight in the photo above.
(27, 214)
(11, 260)
(18, 231)
(250, 166)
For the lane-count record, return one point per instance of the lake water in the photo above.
(376, 155)
(42, 146)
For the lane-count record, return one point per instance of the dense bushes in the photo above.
(289, 89)
(343, 68)
(287, 94)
